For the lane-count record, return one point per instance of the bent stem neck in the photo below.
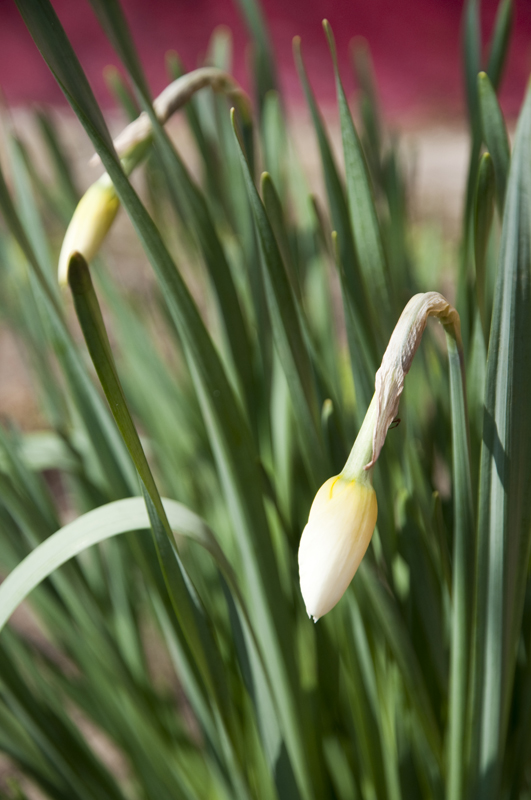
(361, 453)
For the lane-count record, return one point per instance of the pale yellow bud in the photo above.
(339, 529)
(89, 225)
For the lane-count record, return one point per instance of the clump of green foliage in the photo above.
(418, 684)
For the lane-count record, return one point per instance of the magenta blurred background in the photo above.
(415, 46)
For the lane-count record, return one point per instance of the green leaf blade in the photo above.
(504, 534)
(495, 134)
(363, 217)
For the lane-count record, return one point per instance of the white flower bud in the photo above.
(339, 529)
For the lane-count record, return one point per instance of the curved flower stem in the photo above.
(174, 97)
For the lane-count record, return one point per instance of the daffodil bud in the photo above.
(339, 529)
(89, 225)
(343, 514)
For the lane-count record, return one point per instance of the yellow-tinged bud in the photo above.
(89, 225)
(339, 529)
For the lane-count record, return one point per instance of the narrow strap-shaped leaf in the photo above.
(50, 196)
(28, 213)
(471, 43)
(463, 535)
(107, 521)
(97, 526)
(495, 135)
(358, 313)
(49, 36)
(361, 362)
(499, 44)
(17, 229)
(56, 737)
(367, 736)
(275, 140)
(264, 65)
(275, 213)
(288, 334)
(504, 530)
(368, 105)
(62, 167)
(115, 462)
(396, 635)
(178, 584)
(484, 212)
(211, 168)
(120, 90)
(364, 695)
(114, 23)
(471, 54)
(30, 486)
(363, 217)
(27, 764)
(218, 269)
(339, 213)
(232, 445)
(27, 316)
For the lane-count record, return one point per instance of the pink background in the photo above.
(415, 46)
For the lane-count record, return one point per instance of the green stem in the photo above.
(361, 453)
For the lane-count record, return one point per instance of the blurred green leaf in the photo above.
(265, 76)
(114, 23)
(484, 212)
(288, 335)
(114, 461)
(505, 490)
(96, 526)
(495, 135)
(499, 44)
(384, 610)
(368, 105)
(182, 593)
(464, 528)
(50, 38)
(363, 217)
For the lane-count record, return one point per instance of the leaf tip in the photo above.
(78, 275)
(331, 41)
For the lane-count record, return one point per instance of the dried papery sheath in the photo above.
(174, 97)
(343, 514)
(398, 357)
